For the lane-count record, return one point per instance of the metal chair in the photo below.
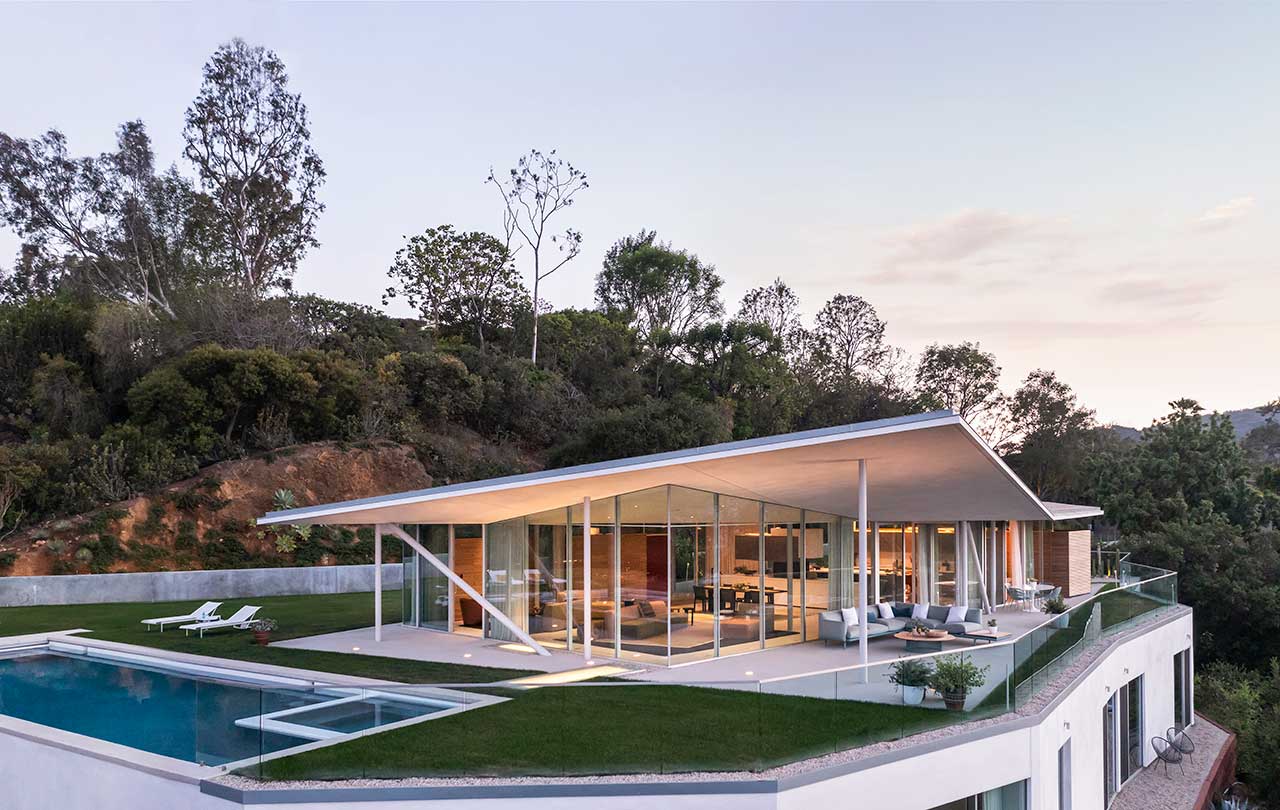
(1168, 754)
(1181, 740)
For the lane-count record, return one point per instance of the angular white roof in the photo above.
(929, 467)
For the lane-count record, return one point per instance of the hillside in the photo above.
(1242, 421)
(207, 521)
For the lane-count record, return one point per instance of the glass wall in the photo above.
(746, 611)
(782, 574)
(675, 574)
(648, 602)
(547, 574)
(426, 593)
(819, 546)
(897, 544)
(693, 523)
(1010, 797)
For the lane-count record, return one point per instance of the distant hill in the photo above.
(1243, 420)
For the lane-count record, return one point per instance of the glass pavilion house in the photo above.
(736, 547)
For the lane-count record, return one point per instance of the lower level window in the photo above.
(1010, 797)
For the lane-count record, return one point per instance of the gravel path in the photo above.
(1034, 706)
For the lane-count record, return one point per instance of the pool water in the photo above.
(176, 715)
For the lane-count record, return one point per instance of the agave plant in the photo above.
(283, 499)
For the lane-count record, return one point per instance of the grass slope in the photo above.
(580, 730)
(297, 615)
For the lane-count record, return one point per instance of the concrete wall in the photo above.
(174, 586)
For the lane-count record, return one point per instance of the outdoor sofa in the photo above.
(842, 625)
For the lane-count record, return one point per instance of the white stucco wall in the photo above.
(36, 776)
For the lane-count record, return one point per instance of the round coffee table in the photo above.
(919, 643)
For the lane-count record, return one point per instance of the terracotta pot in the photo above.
(261, 637)
(954, 700)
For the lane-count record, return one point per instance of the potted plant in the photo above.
(954, 678)
(262, 630)
(1058, 608)
(913, 676)
(991, 626)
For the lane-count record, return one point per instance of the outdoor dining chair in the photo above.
(1181, 740)
(1167, 753)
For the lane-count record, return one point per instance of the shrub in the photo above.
(956, 674)
(7, 560)
(912, 672)
(186, 538)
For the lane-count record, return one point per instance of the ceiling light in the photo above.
(355, 649)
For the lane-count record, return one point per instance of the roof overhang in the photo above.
(1071, 511)
(929, 467)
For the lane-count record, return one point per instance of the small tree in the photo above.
(777, 307)
(250, 143)
(458, 280)
(533, 193)
(966, 380)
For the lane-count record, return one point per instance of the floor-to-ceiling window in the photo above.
(693, 551)
(819, 540)
(646, 601)
(1182, 689)
(547, 604)
(746, 611)
(425, 598)
(1130, 714)
(897, 552)
(596, 583)
(467, 561)
(782, 574)
(941, 538)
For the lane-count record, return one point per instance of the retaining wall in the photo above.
(173, 586)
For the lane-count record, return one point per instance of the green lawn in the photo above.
(297, 616)
(608, 729)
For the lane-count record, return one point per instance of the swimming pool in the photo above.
(176, 712)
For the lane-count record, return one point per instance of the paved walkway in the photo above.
(1151, 789)
(415, 644)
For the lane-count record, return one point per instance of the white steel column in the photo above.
(982, 579)
(485, 604)
(875, 563)
(962, 562)
(586, 578)
(377, 583)
(862, 563)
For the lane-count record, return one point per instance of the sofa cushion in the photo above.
(885, 610)
(850, 616)
(956, 628)
(877, 629)
(645, 609)
(897, 624)
(956, 614)
(938, 612)
(974, 615)
(902, 609)
(920, 610)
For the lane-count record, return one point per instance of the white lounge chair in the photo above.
(205, 613)
(241, 619)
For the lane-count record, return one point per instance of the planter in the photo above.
(261, 637)
(1062, 620)
(954, 700)
(912, 695)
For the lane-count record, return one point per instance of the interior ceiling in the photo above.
(933, 473)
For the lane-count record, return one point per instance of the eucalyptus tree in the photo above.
(248, 138)
(108, 223)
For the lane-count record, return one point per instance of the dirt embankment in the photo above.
(207, 521)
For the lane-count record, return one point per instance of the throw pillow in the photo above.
(646, 609)
(850, 616)
(956, 614)
(886, 610)
(920, 611)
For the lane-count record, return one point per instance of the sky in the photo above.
(1088, 188)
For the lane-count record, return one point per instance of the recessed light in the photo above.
(749, 672)
(355, 649)
(466, 655)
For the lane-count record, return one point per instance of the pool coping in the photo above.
(178, 769)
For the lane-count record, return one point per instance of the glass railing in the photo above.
(513, 729)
